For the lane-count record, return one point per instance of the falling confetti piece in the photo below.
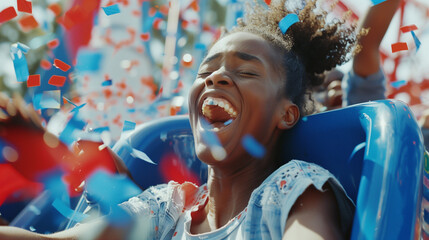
(61, 65)
(7, 14)
(112, 9)
(129, 126)
(33, 80)
(56, 80)
(53, 43)
(55, 8)
(106, 83)
(408, 28)
(28, 23)
(45, 64)
(145, 36)
(62, 208)
(19, 63)
(253, 147)
(399, 46)
(375, 2)
(416, 40)
(88, 60)
(288, 21)
(24, 6)
(398, 84)
(268, 2)
(47, 99)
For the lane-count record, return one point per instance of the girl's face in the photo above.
(238, 92)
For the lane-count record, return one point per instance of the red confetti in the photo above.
(268, 2)
(33, 80)
(7, 14)
(399, 46)
(408, 28)
(194, 6)
(53, 43)
(24, 6)
(145, 36)
(45, 64)
(55, 8)
(61, 65)
(27, 23)
(56, 80)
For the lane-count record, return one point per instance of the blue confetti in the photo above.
(77, 108)
(398, 84)
(112, 9)
(106, 83)
(128, 126)
(416, 41)
(253, 147)
(73, 127)
(227, 122)
(375, 2)
(62, 208)
(24, 48)
(88, 60)
(47, 99)
(288, 21)
(19, 63)
(110, 190)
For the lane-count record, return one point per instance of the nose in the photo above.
(218, 78)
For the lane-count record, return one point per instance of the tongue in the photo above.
(216, 114)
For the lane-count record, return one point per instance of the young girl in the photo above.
(251, 84)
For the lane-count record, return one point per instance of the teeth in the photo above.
(218, 102)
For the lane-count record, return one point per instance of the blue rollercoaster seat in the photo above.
(375, 149)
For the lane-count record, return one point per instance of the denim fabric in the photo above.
(164, 211)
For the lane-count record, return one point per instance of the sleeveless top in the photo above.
(165, 211)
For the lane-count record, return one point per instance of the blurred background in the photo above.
(138, 63)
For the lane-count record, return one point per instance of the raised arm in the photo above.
(377, 20)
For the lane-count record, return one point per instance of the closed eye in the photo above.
(203, 74)
(247, 74)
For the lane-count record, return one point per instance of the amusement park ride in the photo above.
(375, 149)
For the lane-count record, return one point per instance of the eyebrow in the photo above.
(241, 55)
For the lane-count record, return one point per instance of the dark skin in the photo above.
(239, 71)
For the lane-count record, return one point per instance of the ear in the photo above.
(289, 115)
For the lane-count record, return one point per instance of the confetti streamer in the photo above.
(7, 14)
(111, 10)
(76, 107)
(375, 2)
(288, 21)
(416, 41)
(408, 28)
(128, 126)
(28, 23)
(62, 208)
(33, 80)
(53, 43)
(56, 80)
(19, 62)
(398, 84)
(24, 6)
(106, 83)
(61, 65)
(47, 99)
(399, 46)
(252, 146)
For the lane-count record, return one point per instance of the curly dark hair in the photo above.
(310, 47)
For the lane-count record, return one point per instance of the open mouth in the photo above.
(218, 112)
